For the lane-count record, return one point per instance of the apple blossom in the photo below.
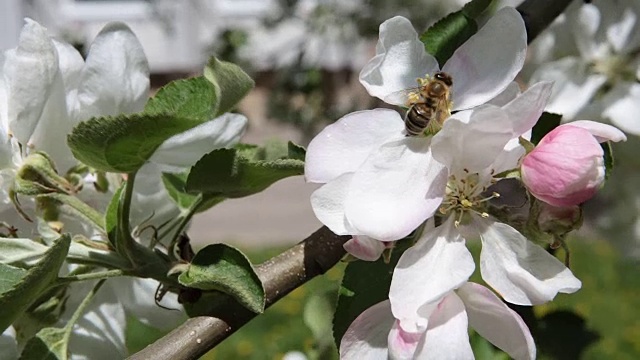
(376, 334)
(591, 52)
(378, 179)
(567, 167)
(473, 145)
(481, 68)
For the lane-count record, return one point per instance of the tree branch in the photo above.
(280, 275)
(538, 14)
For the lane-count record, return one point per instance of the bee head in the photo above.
(444, 77)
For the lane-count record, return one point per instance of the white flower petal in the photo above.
(619, 32)
(508, 94)
(365, 248)
(447, 337)
(585, 27)
(71, 64)
(50, 135)
(622, 107)
(508, 159)
(573, 85)
(116, 75)
(520, 271)
(602, 132)
(438, 263)
(366, 337)
(151, 202)
(496, 322)
(328, 204)
(8, 344)
(489, 61)
(183, 150)
(138, 298)
(344, 145)
(29, 71)
(400, 59)
(397, 188)
(99, 333)
(472, 146)
(525, 110)
(402, 344)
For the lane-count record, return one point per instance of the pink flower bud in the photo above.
(566, 168)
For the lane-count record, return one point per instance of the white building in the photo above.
(174, 33)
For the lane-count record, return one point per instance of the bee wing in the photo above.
(400, 97)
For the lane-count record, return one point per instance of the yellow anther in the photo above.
(484, 215)
(413, 98)
(466, 203)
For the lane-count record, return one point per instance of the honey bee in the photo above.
(429, 104)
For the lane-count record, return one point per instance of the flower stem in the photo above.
(89, 276)
(83, 305)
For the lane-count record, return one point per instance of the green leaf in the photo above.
(16, 300)
(223, 268)
(193, 98)
(125, 142)
(296, 151)
(364, 284)
(547, 122)
(233, 173)
(231, 84)
(10, 276)
(445, 36)
(111, 217)
(475, 8)
(20, 251)
(176, 187)
(315, 316)
(48, 344)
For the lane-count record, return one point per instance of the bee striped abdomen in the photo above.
(417, 119)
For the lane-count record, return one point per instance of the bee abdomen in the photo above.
(417, 119)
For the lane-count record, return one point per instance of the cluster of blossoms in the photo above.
(380, 185)
(46, 88)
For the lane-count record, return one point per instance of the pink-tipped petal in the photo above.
(366, 337)
(566, 168)
(365, 248)
(447, 337)
(403, 344)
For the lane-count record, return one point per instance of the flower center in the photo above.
(616, 67)
(465, 195)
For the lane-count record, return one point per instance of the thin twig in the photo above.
(280, 275)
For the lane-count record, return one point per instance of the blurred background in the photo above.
(305, 57)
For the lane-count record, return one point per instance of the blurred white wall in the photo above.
(175, 34)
